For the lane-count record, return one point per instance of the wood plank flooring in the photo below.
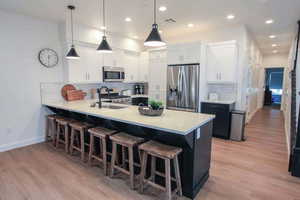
(251, 170)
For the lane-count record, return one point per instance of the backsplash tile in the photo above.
(226, 92)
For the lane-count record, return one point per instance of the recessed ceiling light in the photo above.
(162, 8)
(275, 51)
(103, 28)
(127, 19)
(274, 45)
(190, 25)
(160, 31)
(136, 37)
(230, 16)
(272, 36)
(269, 21)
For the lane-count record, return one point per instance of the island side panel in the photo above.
(202, 157)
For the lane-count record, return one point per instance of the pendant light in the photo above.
(104, 46)
(72, 54)
(154, 39)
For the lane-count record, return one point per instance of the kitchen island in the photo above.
(190, 131)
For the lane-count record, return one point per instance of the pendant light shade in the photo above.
(154, 39)
(104, 46)
(72, 54)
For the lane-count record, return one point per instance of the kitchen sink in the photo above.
(113, 107)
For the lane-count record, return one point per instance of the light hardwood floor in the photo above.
(251, 170)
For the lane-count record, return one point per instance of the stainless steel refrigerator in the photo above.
(183, 87)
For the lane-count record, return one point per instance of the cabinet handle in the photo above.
(220, 76)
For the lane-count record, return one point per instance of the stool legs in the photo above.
(143, 170)
(131, 167)
(168, 179)
(82, 144)
(177, 175)
(72, 141)
(53, 131)
(153, 168)
(113, 159)
(91, 149)
(67, 139)
(104, 155)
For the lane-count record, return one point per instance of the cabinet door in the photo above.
(157, 70)
(221, 62)
(212, 65)
(175, 55)
(192, 53)
(131, 64)
(221, 124)
(228, 57)
(94, 65)
(144, 67)
(78, 70)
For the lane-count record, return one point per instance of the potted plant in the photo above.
(154, 108)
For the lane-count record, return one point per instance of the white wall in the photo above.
(22, 117)
(275, 60)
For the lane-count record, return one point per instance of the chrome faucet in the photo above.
(99, 94)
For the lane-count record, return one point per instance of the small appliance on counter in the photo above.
(213, 97)
(139, 89)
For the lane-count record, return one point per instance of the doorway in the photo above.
(273, 86)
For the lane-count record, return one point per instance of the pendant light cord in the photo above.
(72, 26)
(154, 12)
(103, 7)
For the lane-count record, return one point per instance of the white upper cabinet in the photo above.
(144, 67)
(157, 70)
(88, 68)
(221, 62)
(184, 53)
(131, 66)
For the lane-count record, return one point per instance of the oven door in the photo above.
(113, 74)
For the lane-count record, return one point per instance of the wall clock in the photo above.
(48, 57)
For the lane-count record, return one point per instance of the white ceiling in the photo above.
(205, 14)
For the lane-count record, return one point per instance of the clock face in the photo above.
(48, 57)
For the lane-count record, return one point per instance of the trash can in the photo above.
(238, 118)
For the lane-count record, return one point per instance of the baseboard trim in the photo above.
(15, 145)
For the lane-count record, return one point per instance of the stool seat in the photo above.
(125, 139)
(63, 120)
(101, 132)
(53, 116)
(80, 125)
(159, 149)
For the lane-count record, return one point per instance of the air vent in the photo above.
(170, 20)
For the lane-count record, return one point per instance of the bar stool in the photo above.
(62, 132)
(125, 141)
(51, 128)
(77, 130)
(103, 134)
(167, 153)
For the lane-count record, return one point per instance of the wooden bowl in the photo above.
(148, 111)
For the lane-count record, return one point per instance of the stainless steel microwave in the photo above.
(113, 74)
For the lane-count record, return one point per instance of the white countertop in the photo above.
(139, 95)
(171, 121)
(219, 101)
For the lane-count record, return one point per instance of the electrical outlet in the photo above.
(198, 133)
